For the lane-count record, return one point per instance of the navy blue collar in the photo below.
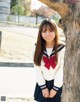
(59, 48)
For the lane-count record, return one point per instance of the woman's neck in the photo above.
(50, 44)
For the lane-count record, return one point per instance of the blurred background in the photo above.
(19, 23)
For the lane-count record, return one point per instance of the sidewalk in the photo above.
(20, 100)
(17, 84)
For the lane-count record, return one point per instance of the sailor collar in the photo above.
(59, 48)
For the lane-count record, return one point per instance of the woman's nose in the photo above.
(47, 32)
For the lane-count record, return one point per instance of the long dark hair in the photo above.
(40, 45)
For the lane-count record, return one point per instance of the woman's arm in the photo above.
(40, 77)
(58, 80)
(39, 74)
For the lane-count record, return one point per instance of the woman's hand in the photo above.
(52, 93)
(45, 93)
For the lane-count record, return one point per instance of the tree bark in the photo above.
(71, 89)
(71, 25)
(60, 7)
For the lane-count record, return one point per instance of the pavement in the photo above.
(17, 82)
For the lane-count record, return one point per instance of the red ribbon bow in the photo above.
(49, 62)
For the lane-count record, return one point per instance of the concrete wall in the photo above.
(20, 19)
(4, 9)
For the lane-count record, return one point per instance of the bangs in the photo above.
(49, 27)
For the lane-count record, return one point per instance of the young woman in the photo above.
(48, 63)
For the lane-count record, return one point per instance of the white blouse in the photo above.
(56, 74)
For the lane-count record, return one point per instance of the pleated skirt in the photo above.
(39, 97)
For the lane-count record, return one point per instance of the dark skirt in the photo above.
(39, 97)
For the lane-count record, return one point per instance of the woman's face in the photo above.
(48, 34)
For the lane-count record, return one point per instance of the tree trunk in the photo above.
(36, 18)
(71, 89)
(71, 24)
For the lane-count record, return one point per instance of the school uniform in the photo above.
(49, 74)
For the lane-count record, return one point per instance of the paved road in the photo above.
(21, 30)
(17, 82)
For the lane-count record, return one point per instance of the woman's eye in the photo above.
(50, 31)
(43, 31)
